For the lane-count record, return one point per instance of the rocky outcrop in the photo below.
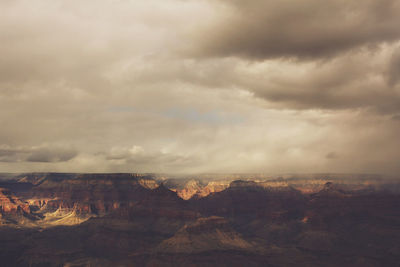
(82, 195)
(243, 184)
(10, 204)
(190, 189)
(91, 194)
(148, 183)
(250, 200)
(125, 220)
(197, 189)
(205, 234)
(213, 187)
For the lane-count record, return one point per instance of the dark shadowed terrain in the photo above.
(58, 219)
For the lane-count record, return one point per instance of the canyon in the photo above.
(61, 219)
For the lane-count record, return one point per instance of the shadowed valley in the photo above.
(57, 219)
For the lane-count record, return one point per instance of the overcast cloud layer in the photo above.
(200, 86)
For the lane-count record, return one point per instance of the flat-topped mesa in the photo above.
(269, 186)
(106, 176)
(39, 178)
(90, 193)
(195, 189)
(241, 183)
(104, 182)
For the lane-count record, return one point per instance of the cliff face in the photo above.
(81, 196)
(128, 220)
(190, 189)
(148, 183)
(197, 189)
(97, 194)
(13, 210)
(251, 201)
(213, 187)
(10, 204)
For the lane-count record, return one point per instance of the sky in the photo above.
(200, 86)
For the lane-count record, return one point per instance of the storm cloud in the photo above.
(304, 29)
(200, 86)
(36, 154)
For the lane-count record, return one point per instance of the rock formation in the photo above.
(135, 220)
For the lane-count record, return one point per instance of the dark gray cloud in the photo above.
(36, 154)
(357, 82)
(304, 29)
(394, 69)
(361, 80)
(52, 155)
(199, 86)
(8, 154)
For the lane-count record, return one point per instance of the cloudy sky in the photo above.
(189, 86)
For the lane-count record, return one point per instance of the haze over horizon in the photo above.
(211, 86)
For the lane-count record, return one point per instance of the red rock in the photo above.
(9, 204)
